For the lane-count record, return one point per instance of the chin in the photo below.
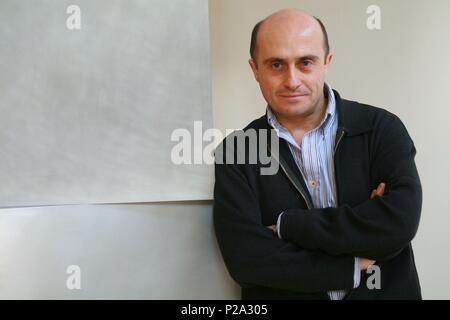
(293, 110)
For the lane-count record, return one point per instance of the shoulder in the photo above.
(245, 138)
(260, 123)
(383, 125)
(359, 117)
(254, 126)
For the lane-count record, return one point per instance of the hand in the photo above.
(273, 227)
(364, 263)
(379, 191)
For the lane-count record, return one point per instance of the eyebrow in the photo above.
(302, 58)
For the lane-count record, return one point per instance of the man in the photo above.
(347, 196)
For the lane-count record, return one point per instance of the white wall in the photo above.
(128, 251)
(404, 67)
(164, 250)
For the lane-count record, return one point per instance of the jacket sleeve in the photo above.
(378, 228)
(255, 256)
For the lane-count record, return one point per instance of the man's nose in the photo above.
(292, 78)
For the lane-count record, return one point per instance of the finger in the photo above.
(373, 194)
(380, 189)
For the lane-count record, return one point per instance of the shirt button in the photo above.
(313, 183)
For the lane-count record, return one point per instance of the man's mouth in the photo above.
(292, 96)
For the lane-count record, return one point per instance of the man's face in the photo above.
(291, 67)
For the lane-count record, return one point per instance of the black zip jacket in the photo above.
(318, 248)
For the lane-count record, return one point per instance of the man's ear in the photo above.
(254, 67)
(328, 60)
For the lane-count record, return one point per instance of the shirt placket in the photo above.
(308, 169)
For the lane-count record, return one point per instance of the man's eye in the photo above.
(307, 63)
(276, 65)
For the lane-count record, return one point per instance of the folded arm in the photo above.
(255, 256)
(378, 228)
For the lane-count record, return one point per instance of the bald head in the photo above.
(288, 21)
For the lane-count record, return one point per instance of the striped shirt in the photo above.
(315, 160)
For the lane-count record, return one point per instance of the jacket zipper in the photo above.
(300, 190)
(342, 132)
(338, 141)
(336, 184)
